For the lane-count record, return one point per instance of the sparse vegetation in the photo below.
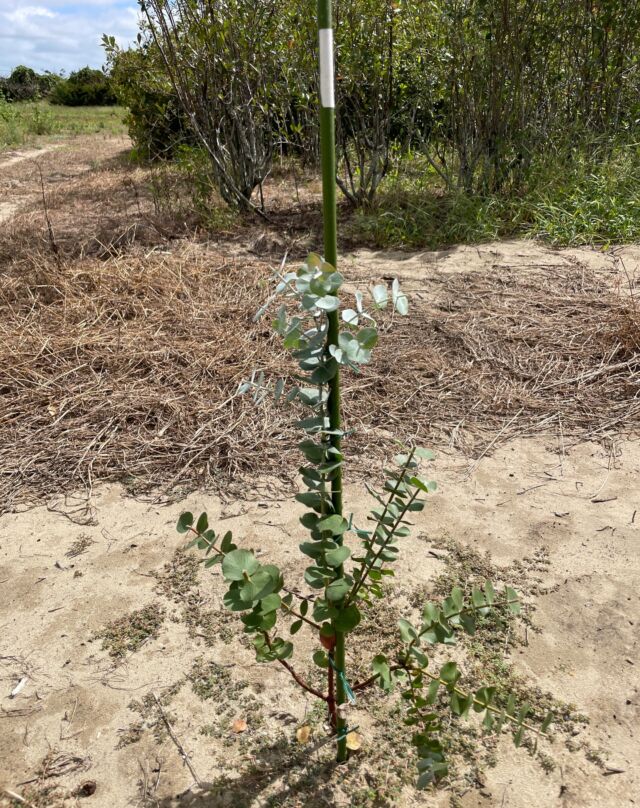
(129, 633)
(26, 123)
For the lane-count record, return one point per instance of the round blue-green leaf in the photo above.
(337, 589)
(234, 602)
(270, 603)
(347, 619)
(327, 303)
(257, 587)
(367, 337)
(335, 558)
(400, 301)
(335, 524)
(380, 296)
(184, 522)
(237, 563)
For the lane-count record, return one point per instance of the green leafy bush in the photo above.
(157, 124)
(24, 84)
(84, 88)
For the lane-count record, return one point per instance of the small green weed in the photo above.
(129, 633)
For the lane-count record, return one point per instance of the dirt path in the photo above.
(20, 178)
(11, 157)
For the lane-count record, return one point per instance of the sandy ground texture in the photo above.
(578, 510)
(123, 681)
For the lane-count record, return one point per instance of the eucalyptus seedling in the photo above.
(343, 577)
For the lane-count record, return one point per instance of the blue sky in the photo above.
(57, 35)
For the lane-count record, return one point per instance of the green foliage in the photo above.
(485, 92)
(341, 579)
(230, 70)
(24, 84)
(586, 194)
(84, 88)
(23, 122)
(157, 125)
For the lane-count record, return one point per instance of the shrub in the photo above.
(24, 84)
(84, 88)
(157, 124)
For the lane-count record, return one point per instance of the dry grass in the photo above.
(127, 369)
(122, 348)
(493, 356)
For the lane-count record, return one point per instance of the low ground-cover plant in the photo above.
(325, 338)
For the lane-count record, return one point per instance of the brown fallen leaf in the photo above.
(239, 725)
(354, 741)
(303, 734)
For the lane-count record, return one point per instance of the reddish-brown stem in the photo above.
(371, 680)
(289, 610)
(302, 683)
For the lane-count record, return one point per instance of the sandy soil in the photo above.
(83, 714)
(582, 506)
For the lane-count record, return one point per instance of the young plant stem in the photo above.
(331, 699)
(299, 616)
(367, 566)
(297, 677)
(330, 217)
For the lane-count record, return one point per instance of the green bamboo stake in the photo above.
(330, 216)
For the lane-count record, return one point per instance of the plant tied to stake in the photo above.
(325, 338)
(338, 580)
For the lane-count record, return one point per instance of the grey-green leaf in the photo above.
(237, 563)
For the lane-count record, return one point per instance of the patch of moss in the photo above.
(130, 735)
(209, 680)
(147, 709)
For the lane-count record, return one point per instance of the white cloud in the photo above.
(25, 13)
(57, 35)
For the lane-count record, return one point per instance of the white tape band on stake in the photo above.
(327, 96)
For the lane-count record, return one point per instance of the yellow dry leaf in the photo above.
(354, 741)
(239, 725)
(303, 734)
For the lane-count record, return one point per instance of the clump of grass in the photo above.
(129, 633)
(584, 196)
(593, 201)
(79, 546)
